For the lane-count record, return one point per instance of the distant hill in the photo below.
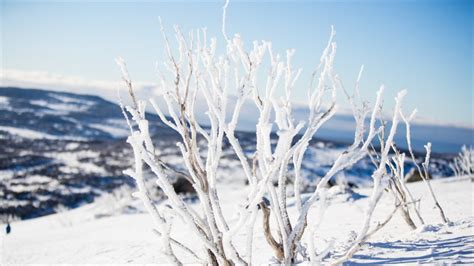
(60, 150)
(62, 115)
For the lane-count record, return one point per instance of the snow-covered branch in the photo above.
(194, 73)
(463, 164)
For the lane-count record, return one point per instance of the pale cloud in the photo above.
(66, 83)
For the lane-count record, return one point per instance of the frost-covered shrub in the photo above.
(463, 164)
(196, 69)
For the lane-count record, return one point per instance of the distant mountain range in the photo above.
(61, 149)
(61, 115)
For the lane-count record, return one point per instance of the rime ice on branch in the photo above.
(194, 69)
(463, 164)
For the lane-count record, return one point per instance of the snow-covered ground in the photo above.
(95, 233)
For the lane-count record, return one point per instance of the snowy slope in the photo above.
(59, 150)
(81, 236)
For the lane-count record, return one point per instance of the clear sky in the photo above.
(423, 46)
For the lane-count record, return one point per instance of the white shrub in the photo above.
(195, 70)
(463, 164)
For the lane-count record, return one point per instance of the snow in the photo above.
(33, 134)
(75, 162)
(117, 129)
(19, 188)
(72, 146)
(27, 133)
(82, 236)
(72, 100)
(64, 108)
(6, 174)
(3, 102)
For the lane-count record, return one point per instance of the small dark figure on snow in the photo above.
(9, 228)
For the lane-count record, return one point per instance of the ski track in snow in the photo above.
(79, 236)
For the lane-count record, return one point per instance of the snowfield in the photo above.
(102, 232)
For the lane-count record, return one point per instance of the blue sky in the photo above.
(423, 46)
